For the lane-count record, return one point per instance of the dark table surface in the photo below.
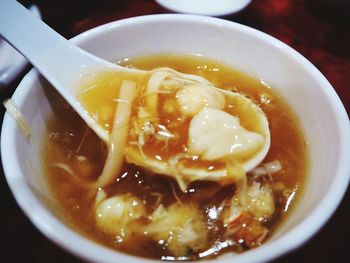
(318, 29)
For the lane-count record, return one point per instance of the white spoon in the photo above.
(57, 59)
(61, 63)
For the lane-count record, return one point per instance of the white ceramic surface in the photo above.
(315, 102)
(205, 7)
(12, 63)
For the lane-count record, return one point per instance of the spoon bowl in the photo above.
(62, 63)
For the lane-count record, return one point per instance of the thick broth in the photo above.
(74, 153)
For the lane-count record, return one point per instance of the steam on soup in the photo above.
(191, 168)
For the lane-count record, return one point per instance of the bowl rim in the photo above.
(50, 226)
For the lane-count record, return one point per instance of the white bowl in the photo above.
(320, 111)
(205, 7)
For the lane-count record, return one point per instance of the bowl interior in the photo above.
(255, 53)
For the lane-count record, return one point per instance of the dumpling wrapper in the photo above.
(250, 123)
(215, 134)
(194, 97)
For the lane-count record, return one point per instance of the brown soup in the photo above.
(164, 221)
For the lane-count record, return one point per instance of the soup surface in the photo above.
(168, 199)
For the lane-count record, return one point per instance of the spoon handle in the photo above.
(48, 51)
(29, 35)
(56, 58)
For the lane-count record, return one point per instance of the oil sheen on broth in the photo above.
(168, 201)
